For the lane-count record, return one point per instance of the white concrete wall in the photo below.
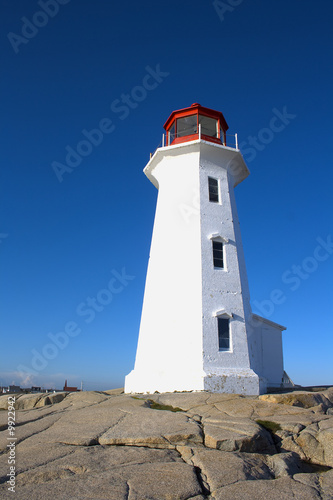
(267, 350)
(272, 355)
(224, 289)
(169, 353)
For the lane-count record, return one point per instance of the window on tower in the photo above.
(218, 254)
(224, 334)
(213, 189)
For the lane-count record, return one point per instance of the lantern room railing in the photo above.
(198, 133)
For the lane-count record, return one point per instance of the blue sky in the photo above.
(66, 72)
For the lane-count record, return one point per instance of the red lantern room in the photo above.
(196, 122)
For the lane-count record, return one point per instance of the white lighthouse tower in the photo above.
(197, 329)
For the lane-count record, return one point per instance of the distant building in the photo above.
(14, 388)
(69, 389)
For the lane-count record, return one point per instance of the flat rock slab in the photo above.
(28, 401)
(301, 399)
(153, 428)
(111, 473)
(229, 434)
(277, 489)
(220, 468)
(233, 405)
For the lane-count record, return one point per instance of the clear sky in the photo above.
(71, 223)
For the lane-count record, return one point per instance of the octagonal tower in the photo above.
(197, 329)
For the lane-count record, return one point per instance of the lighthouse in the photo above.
(197, 331)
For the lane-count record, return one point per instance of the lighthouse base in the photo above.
(235, 381)
(229, 381)
(138, 381)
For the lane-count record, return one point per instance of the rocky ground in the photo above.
(93, 445)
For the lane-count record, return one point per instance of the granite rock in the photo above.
(110, 445)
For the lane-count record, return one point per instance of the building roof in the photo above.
(269, 322)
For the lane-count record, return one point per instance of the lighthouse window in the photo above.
(218, 254)
(187, 125)
(213, 188)
(208, 126)
(224, 334)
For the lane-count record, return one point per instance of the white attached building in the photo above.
(197, 329)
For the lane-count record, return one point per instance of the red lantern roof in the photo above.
(196, 122)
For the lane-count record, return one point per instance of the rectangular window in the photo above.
(187, 126)
(213, 189)
(218, 254)
(224, 334)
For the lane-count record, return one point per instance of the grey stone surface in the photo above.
(316, 442)
(285, 464)
(93, 445)
(232, 434)
(326, 484)
(278, 489)
(112, 472)
(301, 399)
(153, 428)
(220, 468)
(28, 401)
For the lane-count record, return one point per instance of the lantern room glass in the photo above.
(187, 126)
(208, 126)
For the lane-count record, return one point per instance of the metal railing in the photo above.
(230, 140)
